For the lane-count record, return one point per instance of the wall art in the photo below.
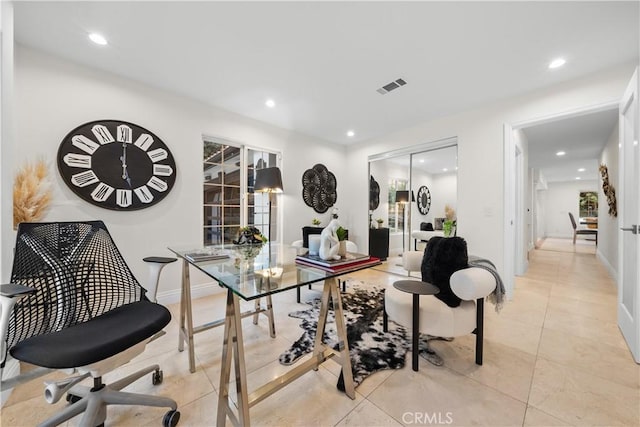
(609, 191)
(374, 194)
(319, 188)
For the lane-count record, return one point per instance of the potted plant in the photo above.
(449, 225)
(341, 233)
(379, 221)
(316, 222)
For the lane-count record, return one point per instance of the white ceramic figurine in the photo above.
(329, 243)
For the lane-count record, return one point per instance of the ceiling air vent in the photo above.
(391, 86)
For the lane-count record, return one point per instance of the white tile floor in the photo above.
(553, 357)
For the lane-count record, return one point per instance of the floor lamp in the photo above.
(268, 180)
(402, 197)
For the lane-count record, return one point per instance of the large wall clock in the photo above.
(424, 200)
(116, 165)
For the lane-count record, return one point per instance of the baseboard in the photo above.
(612, 271)
(197, 291)
(11, 369)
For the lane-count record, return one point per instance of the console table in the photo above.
(252, 278)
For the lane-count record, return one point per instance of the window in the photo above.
(396, 217)
(228, 175)
(588, 204)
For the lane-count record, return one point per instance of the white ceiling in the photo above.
(323, 61)
(582, 138)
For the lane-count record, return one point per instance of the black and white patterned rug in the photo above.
(370, 348)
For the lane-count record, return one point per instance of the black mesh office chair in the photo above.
(74, 303)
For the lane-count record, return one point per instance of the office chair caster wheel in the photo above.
(157, 377)
(171, 419)
(72, 398)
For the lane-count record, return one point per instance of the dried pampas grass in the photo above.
(31, 192)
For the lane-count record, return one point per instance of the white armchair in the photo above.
(471, 285)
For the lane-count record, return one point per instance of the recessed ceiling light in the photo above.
(577, 177)
(270, 103)
(350, 133)
(581, 170)
(444, 169)
(98, 39)
(421, 160)
(560, 153)
(558, 62)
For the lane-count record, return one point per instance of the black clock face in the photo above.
(116, 165)
(424, 200)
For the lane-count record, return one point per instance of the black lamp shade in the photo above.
(268, 180)
(402, 196)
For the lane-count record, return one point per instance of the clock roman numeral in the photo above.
(84, 143)
(157, 184)
(157, 154)
(124, 134)
(77, 160)
(144, 141)
(162, 170)
(83, 179)
(123, 198)
(102, 134)
(101, 192)
(144, 194)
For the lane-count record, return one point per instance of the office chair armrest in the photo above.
(156, 264)
(472, 283)
(10, 293)
(13, 290)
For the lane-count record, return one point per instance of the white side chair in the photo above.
(471, 285)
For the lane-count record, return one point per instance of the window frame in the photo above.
(243, 188)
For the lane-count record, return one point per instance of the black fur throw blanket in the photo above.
(442, 257)
(445, 255)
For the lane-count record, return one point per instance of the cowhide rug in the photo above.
(370, 348)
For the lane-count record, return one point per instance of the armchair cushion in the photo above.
(442, 257)
(436, 318)
(95, 340)
(472, 283)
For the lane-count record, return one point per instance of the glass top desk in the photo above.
(252, 273)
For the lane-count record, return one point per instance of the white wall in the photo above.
(562, 198)
(12, 367)
(608, 228)
(53, 96)
(6, 135)
(479, 134)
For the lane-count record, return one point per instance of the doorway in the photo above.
(558, 159)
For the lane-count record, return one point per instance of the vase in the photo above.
(448, 229)
(342, 248)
